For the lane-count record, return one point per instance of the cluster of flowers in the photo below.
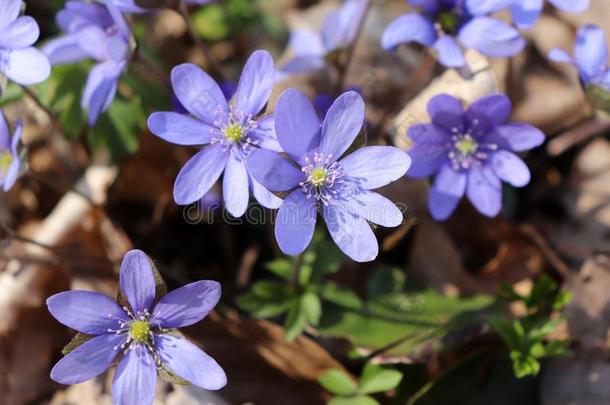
(297, 160)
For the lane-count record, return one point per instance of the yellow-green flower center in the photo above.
(466, 146)
(318, 176)
(234, 132)
(5, 161)
(448, 21)
(139, 331)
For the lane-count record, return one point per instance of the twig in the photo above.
(546, 250)
(182, 9)
(62, 190)
(576, 135)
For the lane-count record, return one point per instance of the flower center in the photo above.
(318, 176)
(139, 331)
(5, 161)
(466, 146)
(465, 150)
(448, 20)
(322, 174)
(234, 132)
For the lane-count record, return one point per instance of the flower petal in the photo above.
(100, 89)
(5, 135)
(449, 52)
(135, 378)
(411, 27)
(561, 56)
(447, 190)
(510, 168)
(375, 166)
(306, 43)
(342, 124)
(302, 64)
(371, 206)
(571, 6)
(517, 137)
(88, 360)
(256, 84)
(64, 50)
(526, 13)
(20, 33)
(199, 93)
(340, 27)
(199, 174)
(483, 7)
(273, 171)
(264, 134)
(295, 223)
(27, 66)
(264, 197)
(187, 305)
(9, 11)
(490, 110)
(591, 51)
(446, 112)
(137, 281)
(86, 311)
(297, 126)
(484, 190)
(429, 151)
(492, 37)
(352, 234)
(235, 187)
(180, 129)
(190, 363)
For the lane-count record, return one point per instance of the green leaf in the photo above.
(599, 96)
(359, 400)
(377, 379)
(312, 308)
(281, 268)
(407, 321)
(266, 299)
(562, 300)
(295, 321)
(339, 295)
(76, 341)
(209, 22)
(338, 382)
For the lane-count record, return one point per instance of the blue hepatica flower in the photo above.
(590, 57)
(11, 161)
(449, 25)
(230, 131)
(339, 30)
(320, 178)
(526, 12)
(470, 152)
(19, 60)
(93, 31)
(140, 335)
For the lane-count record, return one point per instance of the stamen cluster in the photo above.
(323, 172)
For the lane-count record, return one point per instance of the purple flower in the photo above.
(339, 30)
(11, 162)
(526, 12)
(590, 57)
(450, 25)
(231, 132)
(141, 334)
(471, 152)
(98, 32)
(319, 178)
(19, 60)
